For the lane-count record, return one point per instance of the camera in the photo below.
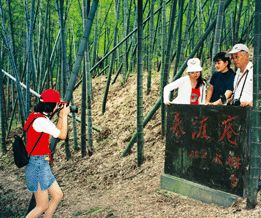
(73, 109)
(223, 99)
(236, 102)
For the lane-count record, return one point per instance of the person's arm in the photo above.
(246, 104)
(62, 123)
(227, 94)
(170, 87)
(209, 94)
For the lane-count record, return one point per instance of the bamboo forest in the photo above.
(126, 152)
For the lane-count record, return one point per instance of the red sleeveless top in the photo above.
(42, 147)
(195, 93)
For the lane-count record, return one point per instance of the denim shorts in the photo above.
(38, 171)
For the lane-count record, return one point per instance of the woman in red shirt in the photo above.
(39, 177)
(191, 88)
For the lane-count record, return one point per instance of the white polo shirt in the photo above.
(247, 93)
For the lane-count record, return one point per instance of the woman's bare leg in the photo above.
(56, 197)
(41, 198)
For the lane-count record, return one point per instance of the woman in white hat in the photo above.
(191, 88)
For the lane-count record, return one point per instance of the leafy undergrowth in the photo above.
(106, 184)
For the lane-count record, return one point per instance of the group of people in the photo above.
(226, 86)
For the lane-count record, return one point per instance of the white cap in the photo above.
(239, 47)
(194, 65)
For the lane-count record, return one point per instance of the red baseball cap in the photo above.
(51, 95)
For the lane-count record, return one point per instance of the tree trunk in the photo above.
(117, 11)
(140, 137)
(150, 46)
(166, 63)
(126, 18)
(218, 31)
(80, 55)
(254, 168)
(179, 41)
(8, 42)
(89, 104)
(2, 108)
(64, 66)
(164, 77)
(30, 62)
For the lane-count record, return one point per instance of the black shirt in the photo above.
(221, 82)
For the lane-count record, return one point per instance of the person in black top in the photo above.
(221, 82)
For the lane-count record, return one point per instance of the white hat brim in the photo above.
(234, 51)
(194, 69)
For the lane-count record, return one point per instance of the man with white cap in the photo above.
(243, 83)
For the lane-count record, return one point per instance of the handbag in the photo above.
(21, 157)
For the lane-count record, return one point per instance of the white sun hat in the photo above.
(194, 65)
(239, 47)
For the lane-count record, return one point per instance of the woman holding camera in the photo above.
(191, 88)
(39, 177)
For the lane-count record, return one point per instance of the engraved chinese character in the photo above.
(194, 154)
(203, 154)
(233, 180)
(202, 128)
(229, 133)
(234, 162)
(218, 159)
(176, 129)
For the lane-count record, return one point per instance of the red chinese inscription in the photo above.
(176, 129)
(234, 162)
(202, 130)
(218, 159)
(229, 133)
(195, 154)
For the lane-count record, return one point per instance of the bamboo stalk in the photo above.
(77, 63)
(2, 109)
(140, 134)
(255, 122)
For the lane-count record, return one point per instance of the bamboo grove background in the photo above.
(62, 44)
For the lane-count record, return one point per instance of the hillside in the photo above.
(105, 184)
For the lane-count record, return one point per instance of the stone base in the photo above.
(197, 191)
